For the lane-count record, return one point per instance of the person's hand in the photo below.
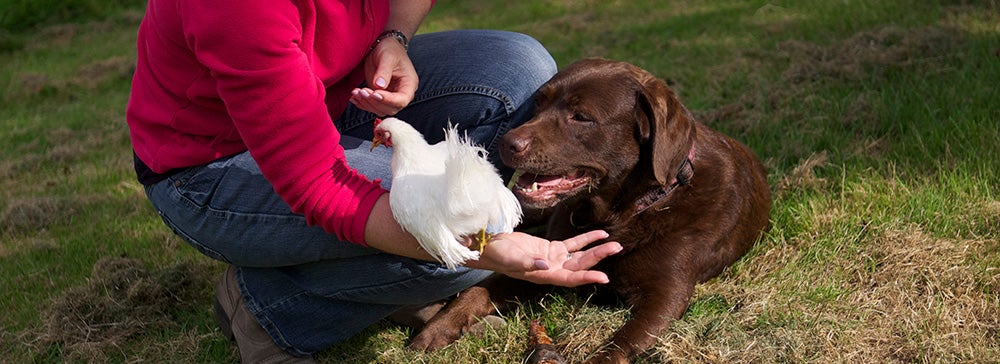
(391, 77)
(541, 261)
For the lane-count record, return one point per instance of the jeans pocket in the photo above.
(204, 249)
(180, 203)
(193, 185)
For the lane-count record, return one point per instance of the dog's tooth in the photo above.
(534, 186)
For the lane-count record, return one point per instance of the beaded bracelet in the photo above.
(391, 33)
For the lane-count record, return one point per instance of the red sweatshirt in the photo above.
(216, 78)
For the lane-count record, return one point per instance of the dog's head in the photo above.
(597, 123)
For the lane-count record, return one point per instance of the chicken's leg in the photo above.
(482, 239)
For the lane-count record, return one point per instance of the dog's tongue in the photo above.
(538, 189)
(526, 179)
(529, 178)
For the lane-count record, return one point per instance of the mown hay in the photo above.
(121, 301)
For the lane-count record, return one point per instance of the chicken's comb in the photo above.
(378, 121)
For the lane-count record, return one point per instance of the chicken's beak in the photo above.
(377, 139)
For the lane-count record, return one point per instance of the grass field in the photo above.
(878, 121)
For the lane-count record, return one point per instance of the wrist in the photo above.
(393, 34)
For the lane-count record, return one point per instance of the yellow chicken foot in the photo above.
(482, 239)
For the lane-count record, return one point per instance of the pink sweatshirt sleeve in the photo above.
(256, 51)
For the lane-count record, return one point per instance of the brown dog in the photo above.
(611, 147)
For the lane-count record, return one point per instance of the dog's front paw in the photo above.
(434, 337)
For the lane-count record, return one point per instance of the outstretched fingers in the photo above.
(578, 242)
(579, 278)
(538, 260)
(588, 258)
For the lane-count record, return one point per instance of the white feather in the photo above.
(446, 191)
(474, 190)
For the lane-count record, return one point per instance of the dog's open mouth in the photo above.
(538, 190)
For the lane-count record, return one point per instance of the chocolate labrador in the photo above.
(611, 147)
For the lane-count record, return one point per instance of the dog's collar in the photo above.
(684, 174)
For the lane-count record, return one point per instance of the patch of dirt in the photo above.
(121, 301)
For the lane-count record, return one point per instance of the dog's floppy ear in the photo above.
(664, 125)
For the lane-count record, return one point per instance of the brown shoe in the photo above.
(236, 322)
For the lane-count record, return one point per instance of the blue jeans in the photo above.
(308, 289)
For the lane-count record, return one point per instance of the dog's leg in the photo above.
(447, 326)
(470, 306)
(652, 313)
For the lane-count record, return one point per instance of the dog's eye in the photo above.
(582, 118)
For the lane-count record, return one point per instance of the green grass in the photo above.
(878, 122)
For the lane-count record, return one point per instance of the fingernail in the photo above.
(377, 96)
(541, 264)
(380, 82)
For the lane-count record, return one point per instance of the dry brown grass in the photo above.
(121, 301)
(903, 296)
(803, 176)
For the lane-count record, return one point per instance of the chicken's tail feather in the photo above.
(469, 172)
(473, 184)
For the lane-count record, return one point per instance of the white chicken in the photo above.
(444, 192)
